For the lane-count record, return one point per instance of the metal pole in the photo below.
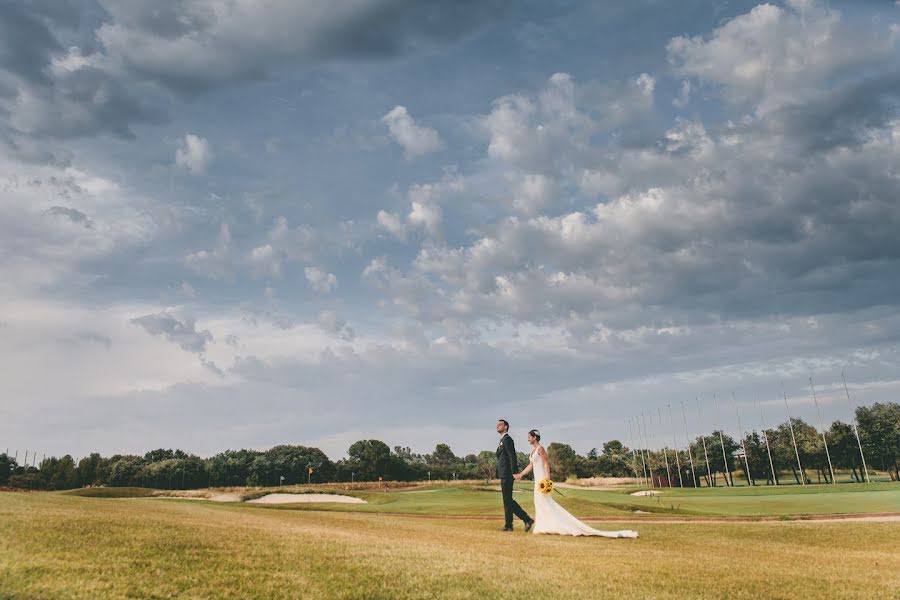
(743, 445)
(855, 428)
(762, 426)
(703, 437)
(665, 452)
(643, 463)
(633, 448)
(727, 473)
(647, 450)
(793, 439)
(822, 425)
(688, 440)
(675, 445)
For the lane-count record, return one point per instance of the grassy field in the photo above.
(480, 500)
(56, 545)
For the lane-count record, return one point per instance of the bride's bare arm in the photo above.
(523, 472)
(546, 462)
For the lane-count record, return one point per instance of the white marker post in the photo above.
(743, 445)
(822, 425)
(703, 437)
(762, 427)
(688, 440)
(675, 445)
(855, 427)
(727, 472)
(793, 439)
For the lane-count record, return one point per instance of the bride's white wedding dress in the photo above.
(550, 517)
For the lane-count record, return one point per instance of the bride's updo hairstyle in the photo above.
(536, 434)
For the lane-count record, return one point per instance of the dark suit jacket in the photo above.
(507, 463)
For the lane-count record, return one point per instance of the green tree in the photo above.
(879, 430)
(443, 456)
(562, 459)
(845, 449)
(370, 459)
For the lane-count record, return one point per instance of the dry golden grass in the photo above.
(59, 546)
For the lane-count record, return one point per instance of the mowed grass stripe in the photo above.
(54, 546)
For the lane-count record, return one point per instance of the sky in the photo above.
(257, 222)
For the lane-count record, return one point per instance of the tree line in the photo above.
(711, 458)
(795, 449)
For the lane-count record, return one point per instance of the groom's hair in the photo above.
(504, 421)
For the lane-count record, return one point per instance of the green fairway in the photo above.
(64, 546)
(475, 500)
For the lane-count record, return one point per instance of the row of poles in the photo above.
(25, 462)
(639, 432)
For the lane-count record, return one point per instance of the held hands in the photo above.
(517, 476)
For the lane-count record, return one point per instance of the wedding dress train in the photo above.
(552, 518)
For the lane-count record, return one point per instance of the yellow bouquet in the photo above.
(545, 486)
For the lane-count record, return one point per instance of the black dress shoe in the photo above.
(529, 525)
(507, 529)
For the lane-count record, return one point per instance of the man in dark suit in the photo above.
(507, 466)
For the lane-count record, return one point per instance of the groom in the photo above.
(507, 466)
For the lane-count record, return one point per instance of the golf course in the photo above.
(444, 541)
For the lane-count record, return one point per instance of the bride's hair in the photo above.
(536, 434)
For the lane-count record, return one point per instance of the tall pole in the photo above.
(822, 425)
(688, 440)
(793, 439)
(647, 449)
(641, 452)
(743, 445)
(727, 473)
(675, 446)
(633, 451)
(703, 437)
(665, 452)
(762, 426)
(855, 427)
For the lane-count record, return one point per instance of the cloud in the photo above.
(391, 223)
(216, 263)
(319, 280)
(75, 216)
(266, 262)
(332, 323)
(415, 139)
(195, 45)
(184, 333)
(773, 56)
(193, 154)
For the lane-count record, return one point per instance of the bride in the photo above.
(549, 516)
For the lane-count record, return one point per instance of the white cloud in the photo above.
(415, 139)
(265, 262)
(772, 56)
(319, 280)
(216, 263)
(392, 223)
(193, 154)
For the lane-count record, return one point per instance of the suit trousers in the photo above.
(510, 506)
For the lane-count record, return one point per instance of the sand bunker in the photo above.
(296, 498)
(646, 493)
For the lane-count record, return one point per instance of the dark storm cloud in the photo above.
(184, 333)
(76, 216)
(194, 45)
